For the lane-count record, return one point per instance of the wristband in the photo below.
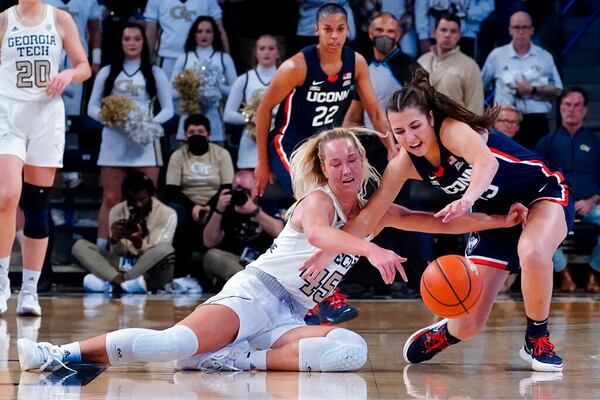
(255, 212)
(219, 212)
(96, 56)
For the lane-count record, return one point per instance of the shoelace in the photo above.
(542, 346)
(221, 362)
(337, 299)
(435, 340)
(52, 354)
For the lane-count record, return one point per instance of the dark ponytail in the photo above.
(419, 93)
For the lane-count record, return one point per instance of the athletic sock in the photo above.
(4, 264)
(536, 328)
(71, 352)
(102, 243)
(19, 235)
(451, 339)
(30, 279)
(253, 360)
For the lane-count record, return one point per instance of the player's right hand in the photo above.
(263, 175)
(387, 262)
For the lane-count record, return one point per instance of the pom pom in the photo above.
(141, 129)
(115, 110)
(198, 88)
(249, 112)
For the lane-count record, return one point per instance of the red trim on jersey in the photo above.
(488, 263)
(280, 152)
(439, 172)
(564, 201)
(332, 78)
(287, 111)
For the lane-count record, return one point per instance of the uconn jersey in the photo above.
(521, 176)
(291, 248)
(29, 57)
(319, 103)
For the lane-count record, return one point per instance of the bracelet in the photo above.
(255, 212)
(219, 212)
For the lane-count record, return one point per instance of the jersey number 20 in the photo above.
(324, 115)
(33, 74)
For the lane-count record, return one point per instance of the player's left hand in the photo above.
(59, 82)
(315, 264)
(517, 214)
(455, 209)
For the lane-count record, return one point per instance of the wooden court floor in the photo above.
(486, 367)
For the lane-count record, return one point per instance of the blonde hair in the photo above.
(306, 161)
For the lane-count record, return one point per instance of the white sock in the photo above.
(71, 352)
(19, 235)
(102, 243)
(30, 279)
(4, 264)
(253, 360)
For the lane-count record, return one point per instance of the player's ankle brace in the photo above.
(340, 350)
(147, 345)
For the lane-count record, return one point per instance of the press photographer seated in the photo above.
(239, 228)
(141, 256)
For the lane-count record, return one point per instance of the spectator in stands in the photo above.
(403, 10)
(195, 174)
(451, 72)
(240, 228)
(470, 12)
(249, 87)
(86, 14)
(141, 256)
(509, 120)
(130, 75)
(204, 53)
(174, 18)
(525, 76)
(575, 150)
(117, 13)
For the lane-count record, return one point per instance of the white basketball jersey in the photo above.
(29, 56)
(291, 248)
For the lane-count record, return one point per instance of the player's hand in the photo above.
(59, 82)
(263, 175)
(387, 262)
(455, 209)
(315, 264)
(517, 215)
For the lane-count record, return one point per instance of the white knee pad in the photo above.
(340, 350)
(147, 345)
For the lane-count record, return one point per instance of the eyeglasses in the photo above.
(520, 27)
(508, 121)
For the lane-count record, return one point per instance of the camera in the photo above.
(135, 218)
(239, 196)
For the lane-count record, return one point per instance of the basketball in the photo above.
(451, 286)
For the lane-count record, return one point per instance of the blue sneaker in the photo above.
(424, 344)
(335, 309)
(540, 353)
(311, 317)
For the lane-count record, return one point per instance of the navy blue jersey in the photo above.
(521, 176)
(319, 103)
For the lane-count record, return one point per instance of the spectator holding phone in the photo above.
(141, 256)
(195, 174)
(239, 228)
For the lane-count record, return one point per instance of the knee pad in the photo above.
(35, 202)
(340, 350)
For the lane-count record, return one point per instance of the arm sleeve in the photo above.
(214, 10)
(163, 89)
(540, 149)
(151, 11)
(230, 74)
(164, 230)
(96, 97)
(555, 77)
(95, 11)
(232, 114)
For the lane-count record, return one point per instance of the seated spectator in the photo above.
(195, 174)
(245, 89)
(204, 54)
(240, 228)
(141, 256)
(508, 121)
(575, 150)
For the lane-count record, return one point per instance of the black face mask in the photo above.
(384, 44)
(197, 144)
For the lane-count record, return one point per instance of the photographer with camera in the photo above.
(240, 227)
(141, 256)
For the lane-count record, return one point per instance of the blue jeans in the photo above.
(559, 260)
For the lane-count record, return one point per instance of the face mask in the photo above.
(384, 44)
(198, 145)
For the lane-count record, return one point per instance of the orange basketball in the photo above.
(451, 286)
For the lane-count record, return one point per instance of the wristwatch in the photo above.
(255, 212)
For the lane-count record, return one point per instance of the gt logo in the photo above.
(180, 12)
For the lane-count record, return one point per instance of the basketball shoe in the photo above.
(426, 343)
(220, 360)
(540, 385)
(28, 304)
(335, 309)
(312, 316)
(539, 351)
(4, 293)
(43, 355)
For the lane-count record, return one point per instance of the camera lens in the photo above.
(239, 197)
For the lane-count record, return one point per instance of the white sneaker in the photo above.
(28, 304)
(137, 285)
(191, 285)
(45, 356)
(220, 360)
(91, 283)
(4, 293)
